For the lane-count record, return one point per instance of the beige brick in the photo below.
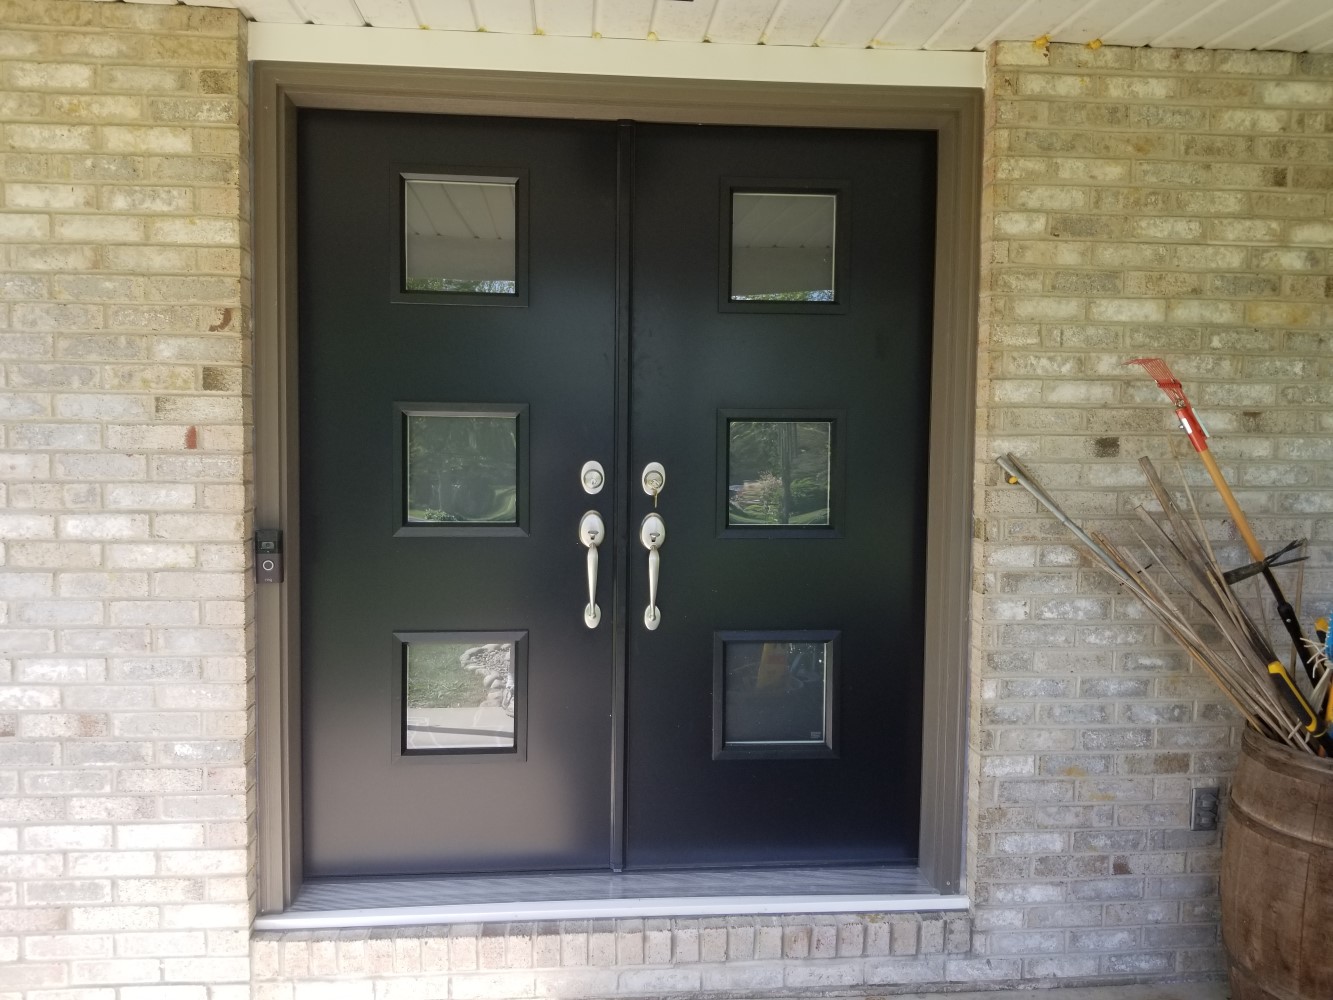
(1140, 87)
(108, 228)
(146, 139)
(146, 258)
(1055, 85)
(50, 196)
(17, 226)
(1312, 233)
(51, 137)
(98, 46)
(1250, 119)
(195, 230)
(1295, 93)
(52, 555)
(1204, 311)
(50, 76)
(53, 258)
(99, 108)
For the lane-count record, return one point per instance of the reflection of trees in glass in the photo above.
(461, 469)
(778, 472)
(455, 675)
(485, 286)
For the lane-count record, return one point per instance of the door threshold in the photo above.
(397, 901)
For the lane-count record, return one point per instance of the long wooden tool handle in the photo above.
(1228, 498)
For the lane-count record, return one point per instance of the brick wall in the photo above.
(124, 815)
(1138, 201)
(608, 958)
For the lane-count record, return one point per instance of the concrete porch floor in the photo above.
(1176, 991)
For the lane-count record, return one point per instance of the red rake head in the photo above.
(1170, 385)
(1161, 374)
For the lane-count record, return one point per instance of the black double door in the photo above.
(487, 306)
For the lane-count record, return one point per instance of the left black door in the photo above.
(455, 717)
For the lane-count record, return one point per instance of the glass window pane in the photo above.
(782, 247)
(462, 469)
(774, 692)
(778, 472)
(459, 234)
(460, 695)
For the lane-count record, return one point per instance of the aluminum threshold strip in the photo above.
(591, 909)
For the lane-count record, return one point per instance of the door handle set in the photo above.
(592, 529)
(652, 533)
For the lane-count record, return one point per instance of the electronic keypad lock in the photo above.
(268, 555)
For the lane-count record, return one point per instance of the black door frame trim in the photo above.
(953, 114)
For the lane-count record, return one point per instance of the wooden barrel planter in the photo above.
(1277, 874)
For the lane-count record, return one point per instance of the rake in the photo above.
(1262, 564)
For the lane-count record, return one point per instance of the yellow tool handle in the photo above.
(1228, 498)
(1313, 727)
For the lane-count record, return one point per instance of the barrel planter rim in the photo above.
(1276, 873)
(1283, 758)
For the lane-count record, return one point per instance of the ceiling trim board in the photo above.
(352, 46)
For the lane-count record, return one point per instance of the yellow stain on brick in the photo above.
(1282, 313)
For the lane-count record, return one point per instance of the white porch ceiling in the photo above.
(941, 25)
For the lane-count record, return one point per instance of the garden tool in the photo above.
(1194, 430)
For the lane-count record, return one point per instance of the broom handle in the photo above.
(1228, 498)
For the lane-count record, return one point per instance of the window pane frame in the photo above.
(802, 750)
(841, 189)
(402, 527)
(400, 174)
(837, 419)
(399, 750)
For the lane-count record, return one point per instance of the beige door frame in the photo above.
(954, 114)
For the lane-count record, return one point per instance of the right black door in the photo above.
(782, 289)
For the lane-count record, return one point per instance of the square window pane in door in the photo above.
(460, 234)
(782, 246)
(774, 694)
(778, 473)
(459, 694)
(462, 468)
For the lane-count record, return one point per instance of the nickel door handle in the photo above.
(652, 533)
(592, 529)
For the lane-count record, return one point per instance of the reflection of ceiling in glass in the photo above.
(460, 209)
(782, 220)
(782, 246)
(459, 234)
